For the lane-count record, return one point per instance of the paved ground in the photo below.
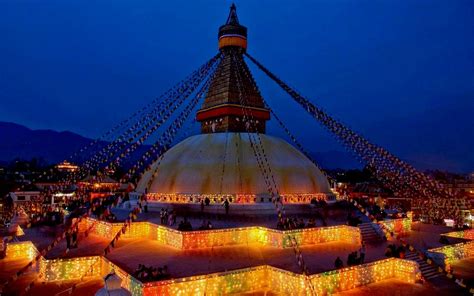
(9, 266)
(131, 252)
(86, 288)
(464, 269)
(41, 236)
(337, 216)
(394, 287)
(223, 222)
(426, 236)
(87, 246)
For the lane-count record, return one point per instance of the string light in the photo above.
(21, 250)
(69, 269)
(237, 281)
(466, 234)
(285, 282)
(455, 252)
(297, 198)
(399, 226)
(232, 236)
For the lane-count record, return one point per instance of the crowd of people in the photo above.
(167, 217)
(205, 225)
(151, 273)
(352, 219)
(72, 238)
(101, 207)
(206, 202)
(393, 250)
(6, 218)
(353, 258)
(291, 223)
(185, 225)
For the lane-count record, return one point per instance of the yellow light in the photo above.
(237, 281)
(303, 198)
(455, 252)
(21, 250)
(186, 240)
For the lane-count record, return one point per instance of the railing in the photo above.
(185, 240)
(283, 282)
(446, 255)
(237, 281)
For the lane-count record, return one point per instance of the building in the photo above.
(66, 166)
(26, 194)
(98, 186)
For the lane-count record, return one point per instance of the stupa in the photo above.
(221, 163)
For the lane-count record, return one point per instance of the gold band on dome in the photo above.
(233, 41)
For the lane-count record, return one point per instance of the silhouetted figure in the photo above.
(74, 238)
(362, 253)
(226, 206)
(338, 263)
(68, 239)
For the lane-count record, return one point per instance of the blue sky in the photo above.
(399, 72)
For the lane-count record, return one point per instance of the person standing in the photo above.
(362, 253)
(74, 238)
(226, 206)
(338, 263)
(68, 239)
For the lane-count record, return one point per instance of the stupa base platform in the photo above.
(249, 268)
(267, 209)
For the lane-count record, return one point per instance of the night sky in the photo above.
(399, 72)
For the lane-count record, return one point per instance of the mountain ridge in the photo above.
(20, 142)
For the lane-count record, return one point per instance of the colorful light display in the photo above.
(234, 198)
(238, 281)
(455, 252)
(21, 250)
(360, 275)
(100, 228)
(186, 240)
(284, 282)
(397, 226)
(466, 234)
(70, 269)
(128, 282)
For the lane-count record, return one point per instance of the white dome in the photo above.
(225, 163)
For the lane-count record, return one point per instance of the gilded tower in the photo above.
(233, 102)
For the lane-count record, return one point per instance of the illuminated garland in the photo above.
(39, 255)
(449, 252)
(21, 250)
(465, 234)
(455, 252)
(399, 226)
(69, 269)
(297, 198)
(237, 281)
(186, 240)
(284, 282)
